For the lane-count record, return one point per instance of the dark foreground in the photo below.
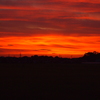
(50, 81)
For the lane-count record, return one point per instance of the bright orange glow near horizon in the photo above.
(49, 45)
(49, 27)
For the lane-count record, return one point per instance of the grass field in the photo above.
(49, 81)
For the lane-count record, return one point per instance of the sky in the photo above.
(49, 27)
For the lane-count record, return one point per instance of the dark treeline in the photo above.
(88, 57)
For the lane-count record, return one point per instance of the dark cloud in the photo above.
(86, 6)
(42, 45)
(1, 45)
(12, 50)
(10, 45)
(65, 46)
(42, 50)
(45, 49)
(32, 17)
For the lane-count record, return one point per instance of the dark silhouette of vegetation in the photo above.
(91, 57)
(88, 57)
(47, 77)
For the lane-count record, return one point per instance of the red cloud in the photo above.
(37, 18)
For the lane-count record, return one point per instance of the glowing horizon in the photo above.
(49, 45)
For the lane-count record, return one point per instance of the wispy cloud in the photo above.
(71, 16)
(26, 22)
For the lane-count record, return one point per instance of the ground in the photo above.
(48, 81)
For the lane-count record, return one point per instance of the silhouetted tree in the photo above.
(91, 56)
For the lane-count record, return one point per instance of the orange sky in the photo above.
(49, 27)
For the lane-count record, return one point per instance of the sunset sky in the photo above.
(49, 27)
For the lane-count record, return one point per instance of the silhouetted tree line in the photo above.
(92, 56)
(88, 57)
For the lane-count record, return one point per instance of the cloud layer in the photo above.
(64, 18)
(50, 16)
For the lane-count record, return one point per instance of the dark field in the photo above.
(50, 81)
